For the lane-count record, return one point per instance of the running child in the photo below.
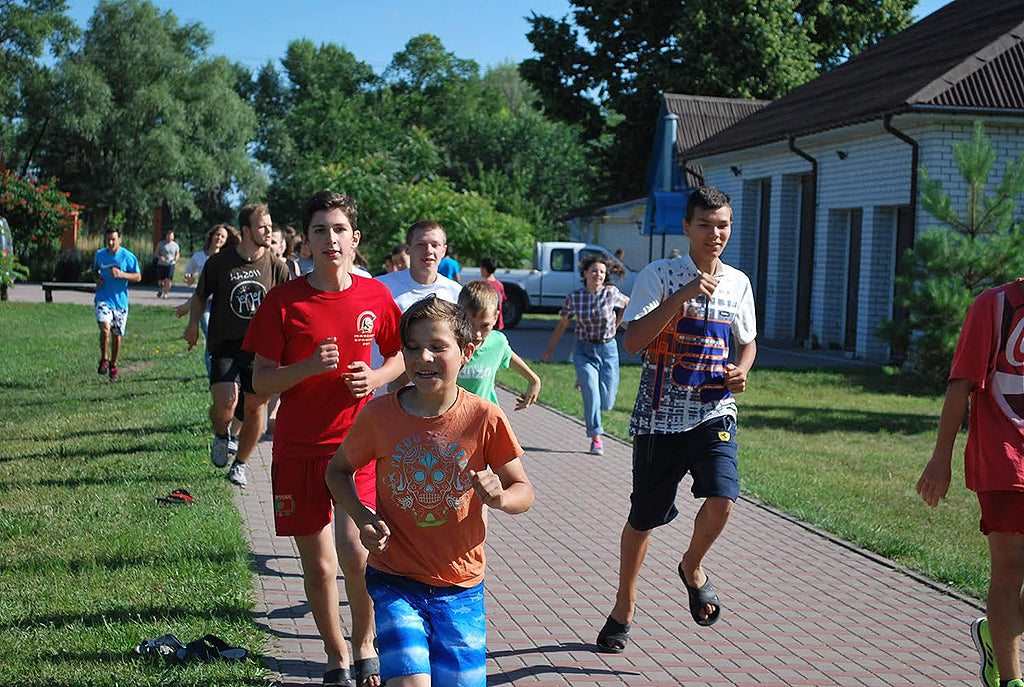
(442, 454)
(480, 302)
(113, 267)
(684, 314)
(311, 337)
(988, 369)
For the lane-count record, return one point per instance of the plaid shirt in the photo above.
(594, 312)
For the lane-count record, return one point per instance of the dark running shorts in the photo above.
(164, 271)
(229, 363)
(660, 461)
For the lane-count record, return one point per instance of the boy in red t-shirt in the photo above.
(311, 337)
(442, 454)
(988, 368)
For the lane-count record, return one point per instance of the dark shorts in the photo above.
(229, 363)
(660, 461)
(164, 271)
(1001, 511)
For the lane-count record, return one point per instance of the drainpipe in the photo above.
(814, 218)
(914, 161)
(668, 149)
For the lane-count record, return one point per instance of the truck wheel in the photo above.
(512, 310)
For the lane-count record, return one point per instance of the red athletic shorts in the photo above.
(302, 501)
(1002, 511)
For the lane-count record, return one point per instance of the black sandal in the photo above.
(339, 677)
(613, 637)
(365, 668)
(701, 597)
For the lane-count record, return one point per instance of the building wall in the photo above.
(871, 174)
(620, 227)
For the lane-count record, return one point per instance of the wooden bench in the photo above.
(50, 286)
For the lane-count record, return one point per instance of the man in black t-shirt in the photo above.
(237, 278)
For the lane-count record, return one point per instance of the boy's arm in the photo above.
(555, 337)
(644, 330)
(520, 367)
(363, 380)
(373, 531)
(118, 273)
(508, 488)
(736, 375)
(937, 474)
(270, 377)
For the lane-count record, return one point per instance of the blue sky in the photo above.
(252, 32)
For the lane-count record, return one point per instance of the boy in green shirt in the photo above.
(480, 301)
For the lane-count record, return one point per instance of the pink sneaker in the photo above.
(596, 446)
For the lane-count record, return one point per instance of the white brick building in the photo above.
(822, 182)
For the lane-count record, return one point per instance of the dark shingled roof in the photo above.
(969, 54)
(701, 116)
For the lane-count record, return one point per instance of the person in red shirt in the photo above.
(311, 338)
(488, 266)
(988, 368)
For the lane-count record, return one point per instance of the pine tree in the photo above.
(951, 264)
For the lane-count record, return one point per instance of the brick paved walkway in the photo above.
(550, 585)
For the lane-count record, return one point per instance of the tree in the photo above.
(27, 28)
(951, 264)
(139, 115)
(621, 56)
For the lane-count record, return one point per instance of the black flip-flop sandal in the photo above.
(339, 677)
(177, 497)
(365, 668)
(224, 650)
(613, 637)
(701, 597)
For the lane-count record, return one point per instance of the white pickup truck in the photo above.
(555, 274)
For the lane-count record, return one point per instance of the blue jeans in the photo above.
(597, 371)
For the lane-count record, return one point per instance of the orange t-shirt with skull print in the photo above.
(424, 493)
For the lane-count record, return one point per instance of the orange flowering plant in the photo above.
(38, 214)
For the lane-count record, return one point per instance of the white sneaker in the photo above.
(219, 451)
(236, 474)
(232, 448)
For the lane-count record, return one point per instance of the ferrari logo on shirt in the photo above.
(723, 436)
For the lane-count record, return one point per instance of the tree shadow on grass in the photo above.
(60, 452)
(114, 562)
(165, 614)
(822, 420)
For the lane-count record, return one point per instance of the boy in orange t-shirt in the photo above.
(441, 455)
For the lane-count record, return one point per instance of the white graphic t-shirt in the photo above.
(682, 380)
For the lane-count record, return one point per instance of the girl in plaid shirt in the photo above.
(597, 308)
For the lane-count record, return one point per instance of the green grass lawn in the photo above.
(838, 449)
(90, 563)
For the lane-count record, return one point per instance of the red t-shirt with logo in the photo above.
(293, 320)
(990, 354)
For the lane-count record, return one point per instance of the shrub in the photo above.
(38, 214)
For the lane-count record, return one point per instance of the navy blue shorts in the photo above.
(660, 461)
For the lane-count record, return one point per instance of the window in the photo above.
(561, 260)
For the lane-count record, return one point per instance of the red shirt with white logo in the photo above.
(293, 320)
(990, 354)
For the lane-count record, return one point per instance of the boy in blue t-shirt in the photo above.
(480, 301)
(113, 268)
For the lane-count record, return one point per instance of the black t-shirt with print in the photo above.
(237, 287)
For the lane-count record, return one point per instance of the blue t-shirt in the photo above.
(114, 292)
(449, 267)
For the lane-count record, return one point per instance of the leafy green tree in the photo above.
(140, 115)
(615, 56)
(27, 29)
(951, 264)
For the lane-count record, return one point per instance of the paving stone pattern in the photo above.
(799, 608)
